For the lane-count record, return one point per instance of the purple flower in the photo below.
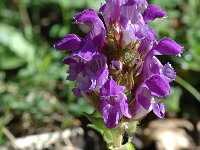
(117, 64)
(167, 46)
(158, 109)
(142, 104)
(110, 10)
(97, 33)
(127, 53)
(133, 25)
(168, 71)
(70, 42)
(86, 65)
(90, 76)
(152, 12)
(75, 67)
(88, 46)
(156, 79)
(158, 85)
(96, 71)
(113, 103)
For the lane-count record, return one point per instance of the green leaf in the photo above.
(132, 126)
(8, 60)
(95, 128)
(127, 146)
(108, 136)
(96, 119)
(99, 126)
(14, 40)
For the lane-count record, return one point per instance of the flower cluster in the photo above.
(115, 66)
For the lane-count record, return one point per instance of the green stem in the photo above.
(25, 19)
(188, 87)
(117, 138)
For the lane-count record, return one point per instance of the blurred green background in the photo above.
(34, 95)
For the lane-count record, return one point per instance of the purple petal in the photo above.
(111, 118)
(143, 96)
(129, 34)
(103, 104)
(85, 83)
(102, 77)
(98, 68)
(158, 109)
(167, 46)
(152, 12)
(77, 92)
(148, 41)
(130, 13)
(113, 103)
(151, 35)
(97, 63)
(155, 66)
(158, 86)
(145, 46)
(86, 16)
(169, 72)
(86, 52)
(74, 68)
(70, 42)
(133, 2)
(72, 72)
(139, 111)
(133, 25)
(102, 8)
(124, 105)
(99, 40)
(69, 60)
(110, 113)
(90, 16)
(143, 31)
(111, 11)
(146, 70)
(117, 64)
(111, 88)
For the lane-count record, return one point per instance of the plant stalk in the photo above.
(117, 139)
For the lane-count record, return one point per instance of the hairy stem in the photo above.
(117, 139)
